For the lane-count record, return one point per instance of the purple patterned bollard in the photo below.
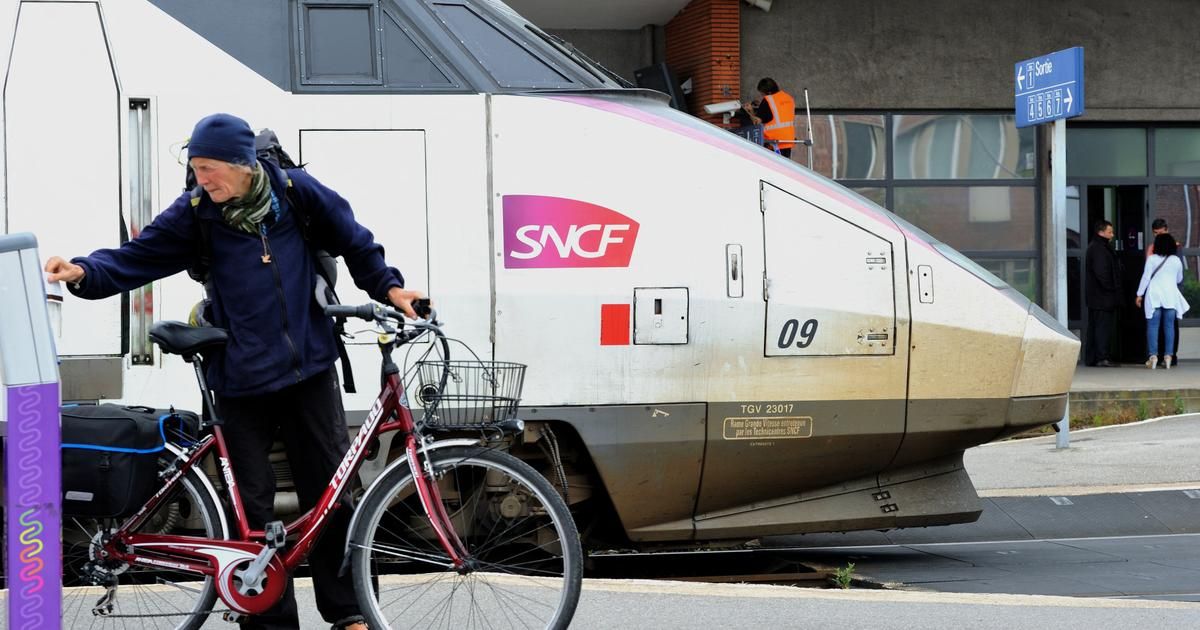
(32, 469)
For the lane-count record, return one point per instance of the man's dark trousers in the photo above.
(1099, 335)
(309, 419)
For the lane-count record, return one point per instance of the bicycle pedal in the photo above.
(233, 617)
(275, 534)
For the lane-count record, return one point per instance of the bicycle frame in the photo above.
(215, 558)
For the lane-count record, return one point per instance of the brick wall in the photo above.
(703, 42)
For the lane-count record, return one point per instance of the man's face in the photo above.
(221, 180)
(1161, 230)
(1106, 233)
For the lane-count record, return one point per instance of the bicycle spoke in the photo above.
(516, 576)
(146, 596)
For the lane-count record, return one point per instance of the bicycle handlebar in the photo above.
(378, 312)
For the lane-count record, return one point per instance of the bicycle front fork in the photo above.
(431, 501)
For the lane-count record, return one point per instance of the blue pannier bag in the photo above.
(110, 455)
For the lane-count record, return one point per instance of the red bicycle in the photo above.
(455, 532)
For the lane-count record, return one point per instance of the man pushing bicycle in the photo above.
(256, 226)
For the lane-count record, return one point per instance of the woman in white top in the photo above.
(1158, 293)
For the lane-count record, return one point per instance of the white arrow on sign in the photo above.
(1068, 100)
(1021, 78)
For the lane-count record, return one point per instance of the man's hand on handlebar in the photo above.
(403, 299)
(61, 270)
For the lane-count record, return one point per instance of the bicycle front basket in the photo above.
(469, 394)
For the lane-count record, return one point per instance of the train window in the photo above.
(406, 63)
(509, 63)
(339, 44)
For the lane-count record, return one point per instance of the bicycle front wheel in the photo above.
(526, 563)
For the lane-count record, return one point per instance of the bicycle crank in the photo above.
(253, 597)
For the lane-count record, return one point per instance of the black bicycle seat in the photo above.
(179, 338)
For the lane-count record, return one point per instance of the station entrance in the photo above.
(1126, 207)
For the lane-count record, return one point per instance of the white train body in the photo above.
(740, 346)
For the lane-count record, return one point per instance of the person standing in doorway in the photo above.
(1102, 293)
(1159, 226)
(1158, 294)
(775, 110)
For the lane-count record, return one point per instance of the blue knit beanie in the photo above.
(222, 137)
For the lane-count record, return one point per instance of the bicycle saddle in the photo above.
(179, 338)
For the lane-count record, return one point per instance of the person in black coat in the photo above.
(1103, 295)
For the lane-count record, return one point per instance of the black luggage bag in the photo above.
(110, 456)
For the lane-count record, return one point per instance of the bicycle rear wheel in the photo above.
(145, 597)
(526, 561)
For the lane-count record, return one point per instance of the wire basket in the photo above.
(469, 394)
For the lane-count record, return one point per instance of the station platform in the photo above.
(1134, 392)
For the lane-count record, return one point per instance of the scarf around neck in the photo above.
(247, 212)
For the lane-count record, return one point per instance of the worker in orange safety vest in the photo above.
(776, 112)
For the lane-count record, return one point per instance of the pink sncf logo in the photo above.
(553, 232)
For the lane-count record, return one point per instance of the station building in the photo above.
(912, 105)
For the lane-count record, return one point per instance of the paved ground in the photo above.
(1154, 453)
(638, 604)
(1134, 377)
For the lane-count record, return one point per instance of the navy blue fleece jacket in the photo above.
(278, 334)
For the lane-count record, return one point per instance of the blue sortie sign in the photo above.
(1049, 87)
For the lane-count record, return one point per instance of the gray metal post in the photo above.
(1058, 247)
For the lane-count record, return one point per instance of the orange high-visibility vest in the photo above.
(781, 130)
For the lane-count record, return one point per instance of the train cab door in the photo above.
(835, 336)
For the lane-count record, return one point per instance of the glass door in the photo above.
(1125, 206)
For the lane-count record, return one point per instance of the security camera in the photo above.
(724, 107)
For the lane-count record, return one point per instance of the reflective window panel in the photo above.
(1106, 152)
(1020, 273)
(962, 146)
(1179, 204)
(852, 146)
(973, 218)
(877, 195)
(1176, 152)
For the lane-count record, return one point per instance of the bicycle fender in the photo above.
(400, 461)
(212, 493)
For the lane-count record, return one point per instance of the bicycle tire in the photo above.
(138, 603)
(525, 544)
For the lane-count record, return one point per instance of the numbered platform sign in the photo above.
(1049, 87)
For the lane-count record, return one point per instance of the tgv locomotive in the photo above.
(721, 344)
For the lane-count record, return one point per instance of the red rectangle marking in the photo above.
(614, 324)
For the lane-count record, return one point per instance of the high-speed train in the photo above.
(721, 344)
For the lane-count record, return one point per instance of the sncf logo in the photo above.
(550, 232)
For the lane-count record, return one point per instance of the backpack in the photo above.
(267, 148)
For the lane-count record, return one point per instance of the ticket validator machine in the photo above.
(29, 422)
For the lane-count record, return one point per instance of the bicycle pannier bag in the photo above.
(110, 456)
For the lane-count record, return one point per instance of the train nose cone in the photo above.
(1048, 355)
